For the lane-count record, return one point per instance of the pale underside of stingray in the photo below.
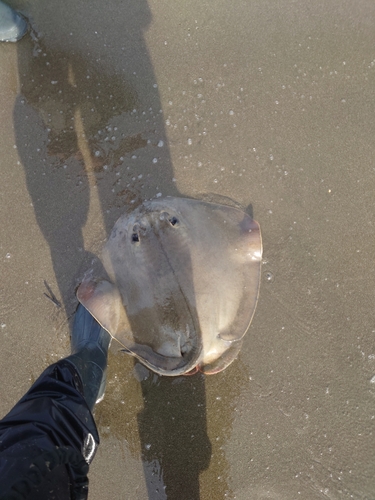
(182, 284)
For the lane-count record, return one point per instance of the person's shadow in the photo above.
(88, 124)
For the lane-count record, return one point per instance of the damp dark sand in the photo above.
(269, 103)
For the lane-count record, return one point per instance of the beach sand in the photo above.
(105, 104)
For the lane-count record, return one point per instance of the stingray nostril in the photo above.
(174, 221)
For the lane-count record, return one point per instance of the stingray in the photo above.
(180, 286)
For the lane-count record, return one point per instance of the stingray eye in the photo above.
(139, 230)
(173, 221)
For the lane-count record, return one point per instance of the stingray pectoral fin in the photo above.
(163, 365)
(103, 300)
(225, 360)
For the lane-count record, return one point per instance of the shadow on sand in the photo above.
(89, 124)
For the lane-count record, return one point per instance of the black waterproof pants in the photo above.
(48, 440)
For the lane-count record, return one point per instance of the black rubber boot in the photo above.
(12, 25)
(89, 344)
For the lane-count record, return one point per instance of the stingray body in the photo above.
(182, 284)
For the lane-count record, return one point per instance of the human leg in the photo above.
(49, 438)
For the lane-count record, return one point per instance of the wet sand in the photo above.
(268, 103)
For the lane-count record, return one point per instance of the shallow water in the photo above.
(269, 104)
